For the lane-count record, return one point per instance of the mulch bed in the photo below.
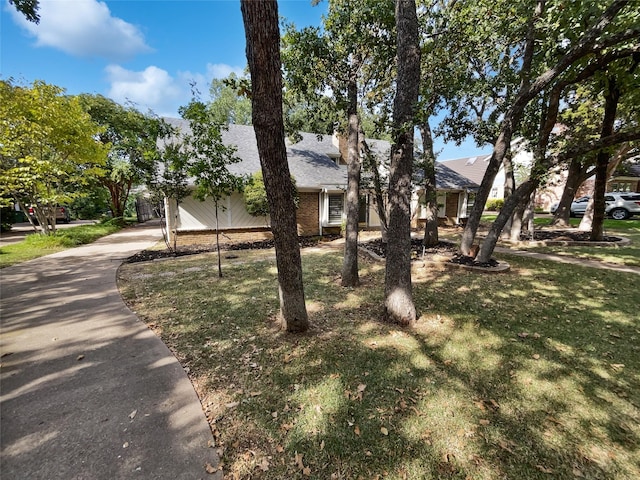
(148, 255)
(447, 249)
(563, 235)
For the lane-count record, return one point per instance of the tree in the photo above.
(208, 162)
(227, 105)
(132, 139)
(169, 183)
(48, 149)
(398, 302)
(29, 8)
(342, 59)
(538, 72)
(263, 55)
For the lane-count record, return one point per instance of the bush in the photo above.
(494, 204)
(255, 196)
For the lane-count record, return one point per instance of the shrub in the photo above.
(494, 204)
(255, 196)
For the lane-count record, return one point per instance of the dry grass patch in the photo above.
(530, 374)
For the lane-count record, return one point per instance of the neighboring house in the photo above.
(321, 178)
(475, 167)
(625, 179)
(455, 197)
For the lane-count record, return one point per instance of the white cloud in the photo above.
(220, 70)
(155, 89)
(83, 28)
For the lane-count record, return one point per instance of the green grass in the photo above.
(532, 374)
(626, 255)
(37, 245)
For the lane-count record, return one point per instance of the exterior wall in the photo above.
(208, 237)
(308, 214)
(196, 220)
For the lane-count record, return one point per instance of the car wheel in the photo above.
(619, 214)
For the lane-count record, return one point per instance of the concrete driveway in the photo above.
(87, 391)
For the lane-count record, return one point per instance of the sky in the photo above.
(145, 52)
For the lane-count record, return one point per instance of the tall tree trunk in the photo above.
(350, 260)
(509, 187)
(263, 56)
(611, 98)
(372, 164)
(521, 194)
(428, 165)
(218, 242)
(576, 175)
(398, 302)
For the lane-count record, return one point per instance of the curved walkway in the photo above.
(570, 260)
(87, 390)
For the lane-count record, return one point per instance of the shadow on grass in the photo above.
(521, 375)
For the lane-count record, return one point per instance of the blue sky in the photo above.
(144, 51)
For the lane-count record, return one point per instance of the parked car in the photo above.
(621, 205)
(578, 206)
(62, 214)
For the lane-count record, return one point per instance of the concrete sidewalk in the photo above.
(87, 390)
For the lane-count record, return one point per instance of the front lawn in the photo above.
(37, 245)
(532, 374)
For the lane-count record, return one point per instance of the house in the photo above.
(626, 178)
(475, 167)
(321, 178)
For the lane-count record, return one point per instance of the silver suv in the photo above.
(621, 205)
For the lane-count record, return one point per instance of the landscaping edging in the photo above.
(621, 242)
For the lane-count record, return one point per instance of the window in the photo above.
(471, 200)
(494, 192)
(336, 206)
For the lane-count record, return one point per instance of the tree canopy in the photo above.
(48, 148)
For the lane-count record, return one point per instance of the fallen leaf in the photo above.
(279, 448)
(523, 334)
(125, 445)
(357, 430)
(264, 465)
(80, 357)
(210, 468)
(536, 356)
(255, 394)
(298, 460)
(361, 387)
(322, 445)
(384, 431)
(306, 471)
(133, 414)
(484, 422)
(286, 426)
(232, 404)
(544, 469)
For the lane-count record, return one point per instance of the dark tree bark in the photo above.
(428, 165)
(611, 98)
(509, 187)
(398, 302)
(576, 176)
(350, 260)
(263, 56)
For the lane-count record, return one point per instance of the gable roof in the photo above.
(449, 179)
(309, 160)
(472, 168)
